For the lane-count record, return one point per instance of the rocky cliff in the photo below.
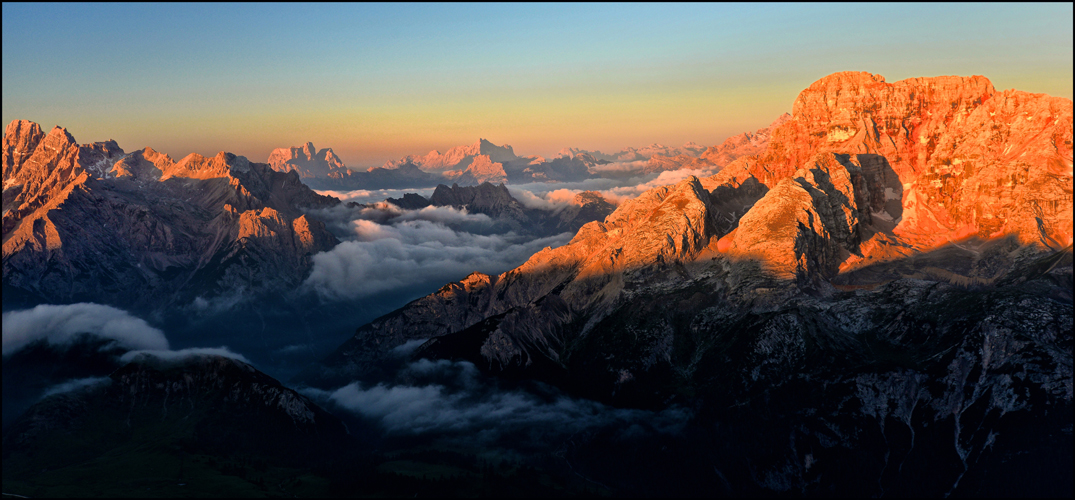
(308, 162)
(869, 285)
(961, 158)
(88, 222)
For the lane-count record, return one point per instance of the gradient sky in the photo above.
(376, 82)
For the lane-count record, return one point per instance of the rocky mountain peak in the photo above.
(144, 165)
(59, 137)
(21, 138)
(155, 156)
(497, 153)
(485, 198)
(308, 162)
(944, 140)
(586, 197)
(780, 120)
(481, 169)
(196, 166)
(21, 129)
(808, 223)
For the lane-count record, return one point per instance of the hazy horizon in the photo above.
(378, 82)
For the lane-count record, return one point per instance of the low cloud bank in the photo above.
(619, 194)
(65, 325)
(375, 195)
(183, 354)
(389, 249)
(620, 167)
(76, 384)
(555, 196)
(60, 325)
(553, 201)
(340, 220)
(382, 258)
(453, 400)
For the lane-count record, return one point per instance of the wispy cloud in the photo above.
(453, 398)
(62, 324)
(375, 195)
(182, 355)
(75, 384)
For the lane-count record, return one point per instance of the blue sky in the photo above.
(377, 81)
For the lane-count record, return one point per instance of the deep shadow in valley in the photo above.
(939, 373)
(775, 395)
(894, 385)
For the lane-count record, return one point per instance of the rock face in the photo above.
(852, 290)
(87, 222)
(969, 160)
(458, 158)
(308, 162)
(481, 169)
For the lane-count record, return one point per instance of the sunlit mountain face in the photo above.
(687, 275)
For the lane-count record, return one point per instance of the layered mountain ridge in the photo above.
(498, 203)
(88, 222)
(844, 206)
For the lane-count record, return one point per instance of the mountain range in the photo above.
(90, 223)
(484, 161)
(498, 203)
(895, 263)
(144, 232)
(870, 297)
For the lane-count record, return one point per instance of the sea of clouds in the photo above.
(385, 248)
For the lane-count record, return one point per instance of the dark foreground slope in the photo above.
(210, 426)
(201, 425)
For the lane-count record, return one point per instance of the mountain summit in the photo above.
(308, 162)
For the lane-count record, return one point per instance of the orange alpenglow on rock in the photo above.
(933, 160)
(862, 172)
(88, 222)
(308, 162)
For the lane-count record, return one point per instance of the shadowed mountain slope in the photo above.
(88, 222)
